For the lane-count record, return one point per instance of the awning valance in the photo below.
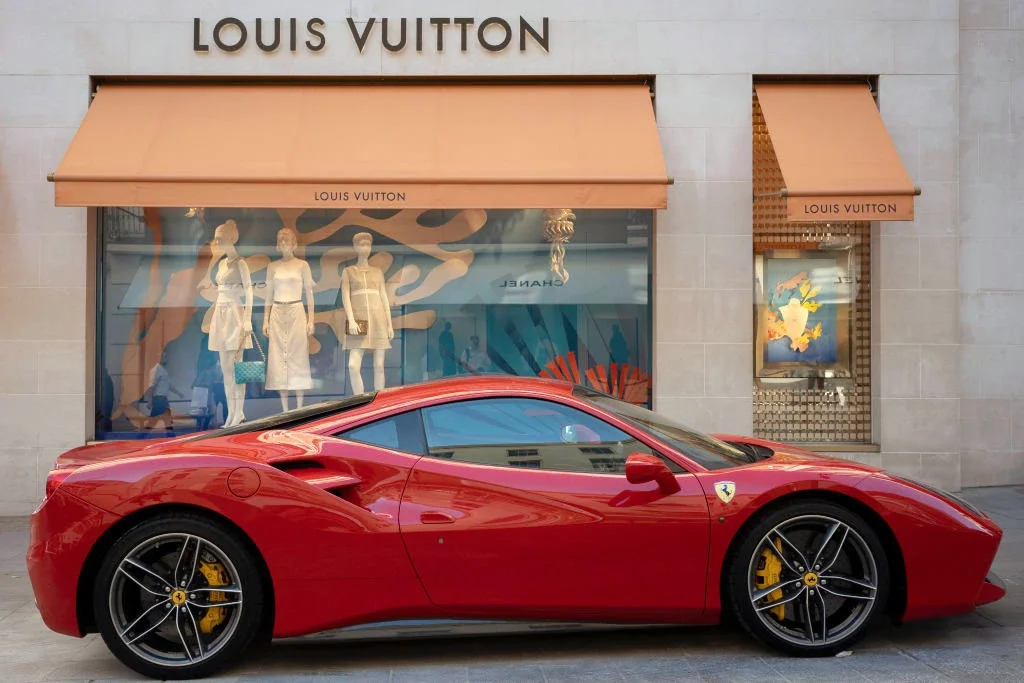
(836, 156)
(367, 146)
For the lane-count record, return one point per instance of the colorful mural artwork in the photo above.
(168, 307)
(790, 319)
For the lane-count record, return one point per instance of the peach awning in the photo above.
(836, 156)
(367, 146)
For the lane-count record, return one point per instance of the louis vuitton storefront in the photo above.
(362, 236)
(751, 223)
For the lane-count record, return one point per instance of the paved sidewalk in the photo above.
(987, 645)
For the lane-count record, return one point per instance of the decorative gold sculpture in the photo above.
(559, 229)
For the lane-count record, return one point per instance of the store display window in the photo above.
(210, 317)
(812, 317)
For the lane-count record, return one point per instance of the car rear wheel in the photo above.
(178, 597)
(809, 579)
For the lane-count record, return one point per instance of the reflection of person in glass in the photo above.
(618, 346)
(368, 314)
(208, 376)
(231, 323)
(156, 394)
(474, 358)
(286, 323)
(446, 345)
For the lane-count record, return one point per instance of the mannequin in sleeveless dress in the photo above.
(364, 294)
(231, 323)
(285, 322)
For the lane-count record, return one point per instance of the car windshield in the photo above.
(703, 449)
(291, 418)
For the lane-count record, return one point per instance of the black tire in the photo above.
(125, 594)
(859, 573)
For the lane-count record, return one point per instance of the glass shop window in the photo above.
(211, 317)
(527, 433)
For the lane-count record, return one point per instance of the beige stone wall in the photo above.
(704, 55)
(43, 299)
(991, 299)
(703, 253)
(916, 324)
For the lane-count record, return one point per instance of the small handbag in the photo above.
(249, 371)
(360, 329)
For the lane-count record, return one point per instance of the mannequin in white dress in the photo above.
(231, 323)
(285, 322)
(364, 294)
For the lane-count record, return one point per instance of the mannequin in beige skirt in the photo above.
(365, 297)
(286, 323)
(231, 322)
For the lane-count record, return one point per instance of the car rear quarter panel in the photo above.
(332, 559)
(61, 533)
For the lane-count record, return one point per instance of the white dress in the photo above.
(288, 355)
(226, 330)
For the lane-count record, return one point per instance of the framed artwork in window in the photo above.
(803, 308)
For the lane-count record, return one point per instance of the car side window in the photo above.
(402, 432)
(528, 433)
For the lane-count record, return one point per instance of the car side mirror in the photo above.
(644, 467)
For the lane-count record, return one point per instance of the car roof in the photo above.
(463, 385)
(327, 414)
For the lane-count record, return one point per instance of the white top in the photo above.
(228, 277)
(288, 279)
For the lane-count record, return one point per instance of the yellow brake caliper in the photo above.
(769, 571)
(215, 576)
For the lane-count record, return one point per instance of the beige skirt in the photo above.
(288, 355)
(226, 331)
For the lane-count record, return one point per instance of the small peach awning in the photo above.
(366, 146)
(836, 156)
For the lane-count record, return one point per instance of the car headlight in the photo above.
(945, 495)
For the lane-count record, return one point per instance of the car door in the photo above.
(522, 508)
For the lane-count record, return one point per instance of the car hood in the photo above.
(793, 457)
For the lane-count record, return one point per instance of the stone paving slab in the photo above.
(987, 645)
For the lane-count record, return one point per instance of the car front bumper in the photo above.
(991, 590)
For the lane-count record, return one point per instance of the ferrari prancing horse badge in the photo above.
(725, 490)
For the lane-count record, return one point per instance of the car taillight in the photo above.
(54, 479)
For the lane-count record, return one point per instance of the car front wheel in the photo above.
(809, 579)
(178, 597)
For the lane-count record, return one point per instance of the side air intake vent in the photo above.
(320, 475)
(289, 465)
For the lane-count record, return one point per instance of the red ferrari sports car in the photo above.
(494, 498)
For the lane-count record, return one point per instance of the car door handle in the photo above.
(436, 517)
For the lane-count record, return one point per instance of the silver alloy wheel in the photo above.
(161, 594)
(827, 584)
